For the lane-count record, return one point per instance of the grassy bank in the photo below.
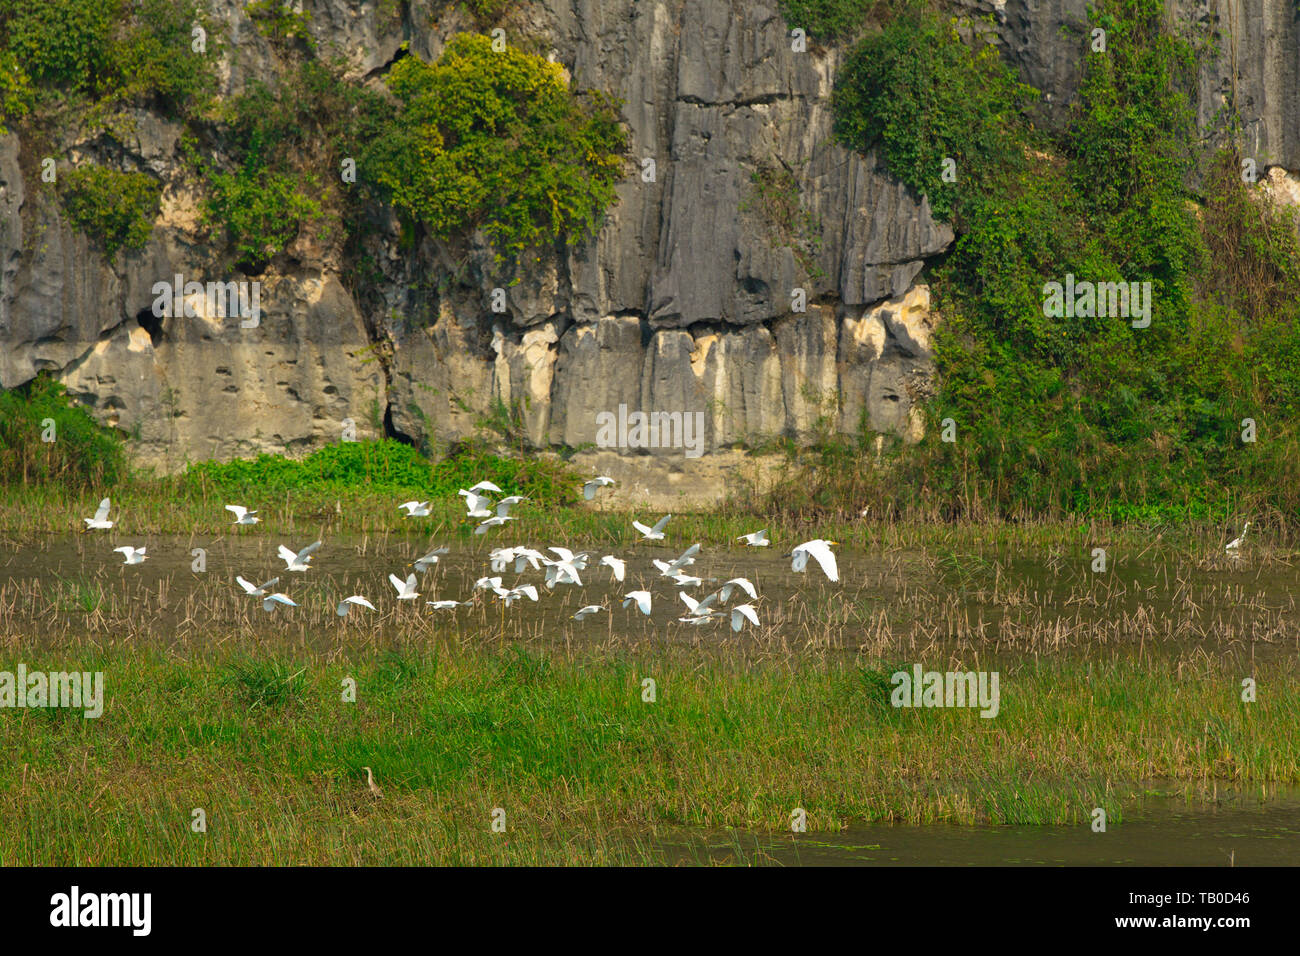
(585, 770)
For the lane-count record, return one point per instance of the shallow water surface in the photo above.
(1164, 831)
(909, 603)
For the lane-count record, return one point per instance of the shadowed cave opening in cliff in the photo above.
(153, 324)
(396, 434)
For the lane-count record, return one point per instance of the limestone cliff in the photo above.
(681, 302)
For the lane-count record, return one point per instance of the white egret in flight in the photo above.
(740, 613)
(346, 604)
(819, 549)
(743, 583)
(493, 522)
(299, 561)
(590, 488)
(132, 555)
(756, 540)
(100, 521)
(254, 590)
(445, 605)
(477, 505)
(618, 566)
(429, 560)
(243, 515)
(277, 598)
(652, 534)
(405, 589)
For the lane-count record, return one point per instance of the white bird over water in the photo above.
(525, 557)
(820, 549)
(505, 504)
(652, 534)
(299, 561)
(429, 560)
(684, 580)
(699, 609)
(445, 605)
(243, 515)
(740, 613)
(477, 505)
(405, 589)
(565, 569)
(756, 540)
(346, 604)
(273, 599)
(524, 590)
(617, 565)
(416, 509)
(494, 522)
(743, 583)
(640, 598)
(500, 558)
(590, 488)
(590, 609)
(100, 521)
(250, 588)
(132, 555)
(668, 568)
(1236, 543)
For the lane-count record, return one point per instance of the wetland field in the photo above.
(1159, 689)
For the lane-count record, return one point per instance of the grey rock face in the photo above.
(683, 301)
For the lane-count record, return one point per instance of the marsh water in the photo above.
(972, 609)
(894, 602)
(1230, 830)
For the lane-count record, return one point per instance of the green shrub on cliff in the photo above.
(61, 43)
(923, 97)
(114, 208)
(827, 20)
(260, 211)
(108, 51)
(80, 453)
(496, 141)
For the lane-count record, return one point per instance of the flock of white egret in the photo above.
(561, 566)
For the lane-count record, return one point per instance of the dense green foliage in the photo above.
(280, 22)
(81, 454)
(69, 68)
(108, 51)
(260, 210)
(923, 96)
(116, 209)
(827, 20)
(382, 468)
(495, 140)
(284, 145)
(1076, 414)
